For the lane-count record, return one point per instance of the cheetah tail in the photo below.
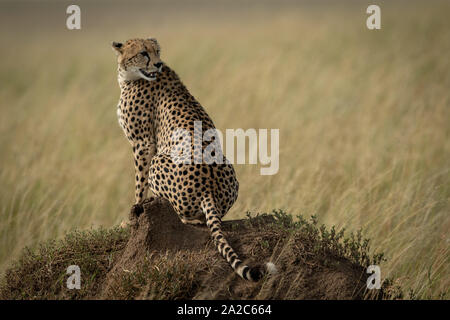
(214, 224)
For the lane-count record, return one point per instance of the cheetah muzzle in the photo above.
(149, 75)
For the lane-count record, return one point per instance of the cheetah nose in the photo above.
(158, 65)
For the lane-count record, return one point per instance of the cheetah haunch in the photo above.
(154, 105)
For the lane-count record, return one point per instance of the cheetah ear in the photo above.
(156, 45)
(117, 46)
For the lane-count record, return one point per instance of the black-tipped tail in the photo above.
(214, 224)
(256, 273)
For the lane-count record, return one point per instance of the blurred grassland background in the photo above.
(363, 116)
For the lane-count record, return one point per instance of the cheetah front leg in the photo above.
(142, 158)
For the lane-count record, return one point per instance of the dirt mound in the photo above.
(159, 233)
(158, 257)
(157, 230)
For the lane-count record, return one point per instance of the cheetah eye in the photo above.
(145, 54)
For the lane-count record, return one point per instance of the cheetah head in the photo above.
(138, 59)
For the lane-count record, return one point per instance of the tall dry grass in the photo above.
(363, 118)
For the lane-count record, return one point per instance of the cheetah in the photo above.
(153, 104)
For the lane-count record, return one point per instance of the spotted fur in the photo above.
(153, 103)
